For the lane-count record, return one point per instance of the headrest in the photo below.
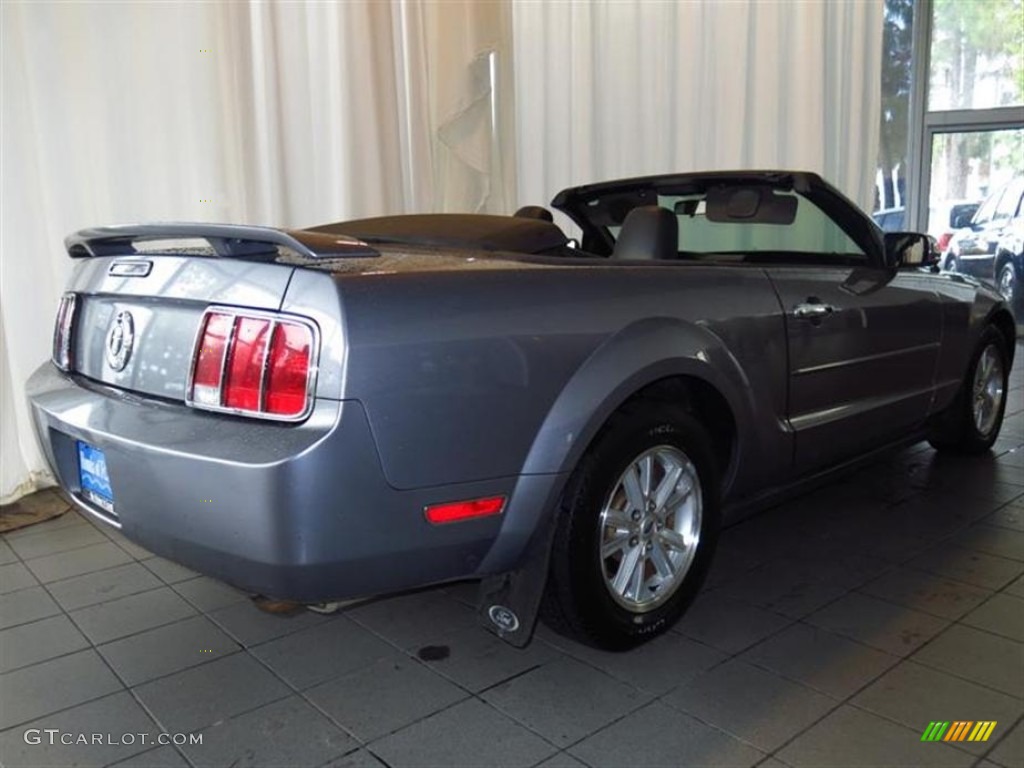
(649, 232)
(534, 212)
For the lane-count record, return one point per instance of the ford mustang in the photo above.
(371, 406)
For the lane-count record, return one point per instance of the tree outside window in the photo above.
(976, 62)
(897, 41)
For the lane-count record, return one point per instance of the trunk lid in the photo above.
(156, 317)
(141, 292)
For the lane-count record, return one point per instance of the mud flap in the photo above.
(508, 603)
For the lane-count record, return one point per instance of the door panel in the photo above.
(863, 345)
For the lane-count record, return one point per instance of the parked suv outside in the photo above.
(1009, 266)
(972, 250)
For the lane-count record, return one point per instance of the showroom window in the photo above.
(952, 127)
(894, 136)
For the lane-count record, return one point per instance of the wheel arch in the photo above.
(700, 399)
(652, 357)
(1003, 257)
(1003, 321)
(660, 359)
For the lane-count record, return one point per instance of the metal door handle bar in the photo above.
(812, 311)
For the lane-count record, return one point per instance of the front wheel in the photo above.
(638, 526)
(972, 422)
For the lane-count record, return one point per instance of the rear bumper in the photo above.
(299, 512)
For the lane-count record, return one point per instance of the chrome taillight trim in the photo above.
(274, 318)
(63, 328)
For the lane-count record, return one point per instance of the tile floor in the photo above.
(833, 629)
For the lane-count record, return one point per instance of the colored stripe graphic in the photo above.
(959, 730)
(983, 736)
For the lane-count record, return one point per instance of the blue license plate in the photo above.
(93, 477)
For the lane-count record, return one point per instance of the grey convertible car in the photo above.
(371, 406)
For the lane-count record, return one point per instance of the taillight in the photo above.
(244, 376)
(62, 331)
(253, 364)
(208, 365)
(287, 369)
(944, 239)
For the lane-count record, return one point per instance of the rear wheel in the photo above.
(973, 420)
(637, 529)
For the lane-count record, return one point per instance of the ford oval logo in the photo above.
(503, 618)
(120, 339)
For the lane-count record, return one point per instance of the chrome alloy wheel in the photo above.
(650, 528)
(987, 392)
(1007, 281)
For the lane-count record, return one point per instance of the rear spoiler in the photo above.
(226, 240)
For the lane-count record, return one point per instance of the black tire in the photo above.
(578, 600)
(956, 430)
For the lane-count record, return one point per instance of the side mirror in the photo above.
(910, 250)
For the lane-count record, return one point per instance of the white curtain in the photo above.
(293, 114)
(614, 89)
(289, 114)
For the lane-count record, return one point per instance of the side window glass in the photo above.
(1007, 206)
(987, 211)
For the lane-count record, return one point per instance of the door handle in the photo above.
(813, 310)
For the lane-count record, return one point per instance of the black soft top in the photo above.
(454, 230)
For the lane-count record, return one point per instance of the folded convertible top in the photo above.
(477, 231)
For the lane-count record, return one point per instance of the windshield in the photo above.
(810, 230)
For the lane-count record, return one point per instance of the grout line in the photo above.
(98, 570)
(998, 742)
(839, 701)
(123, 597)
(95, 649)
(943, 670)
(294, 690)
(131, 692)
(477, 695)
(951, 577)
(802, 620)
(69, 612)
(924, 611)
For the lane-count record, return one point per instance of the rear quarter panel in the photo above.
(496, 372)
